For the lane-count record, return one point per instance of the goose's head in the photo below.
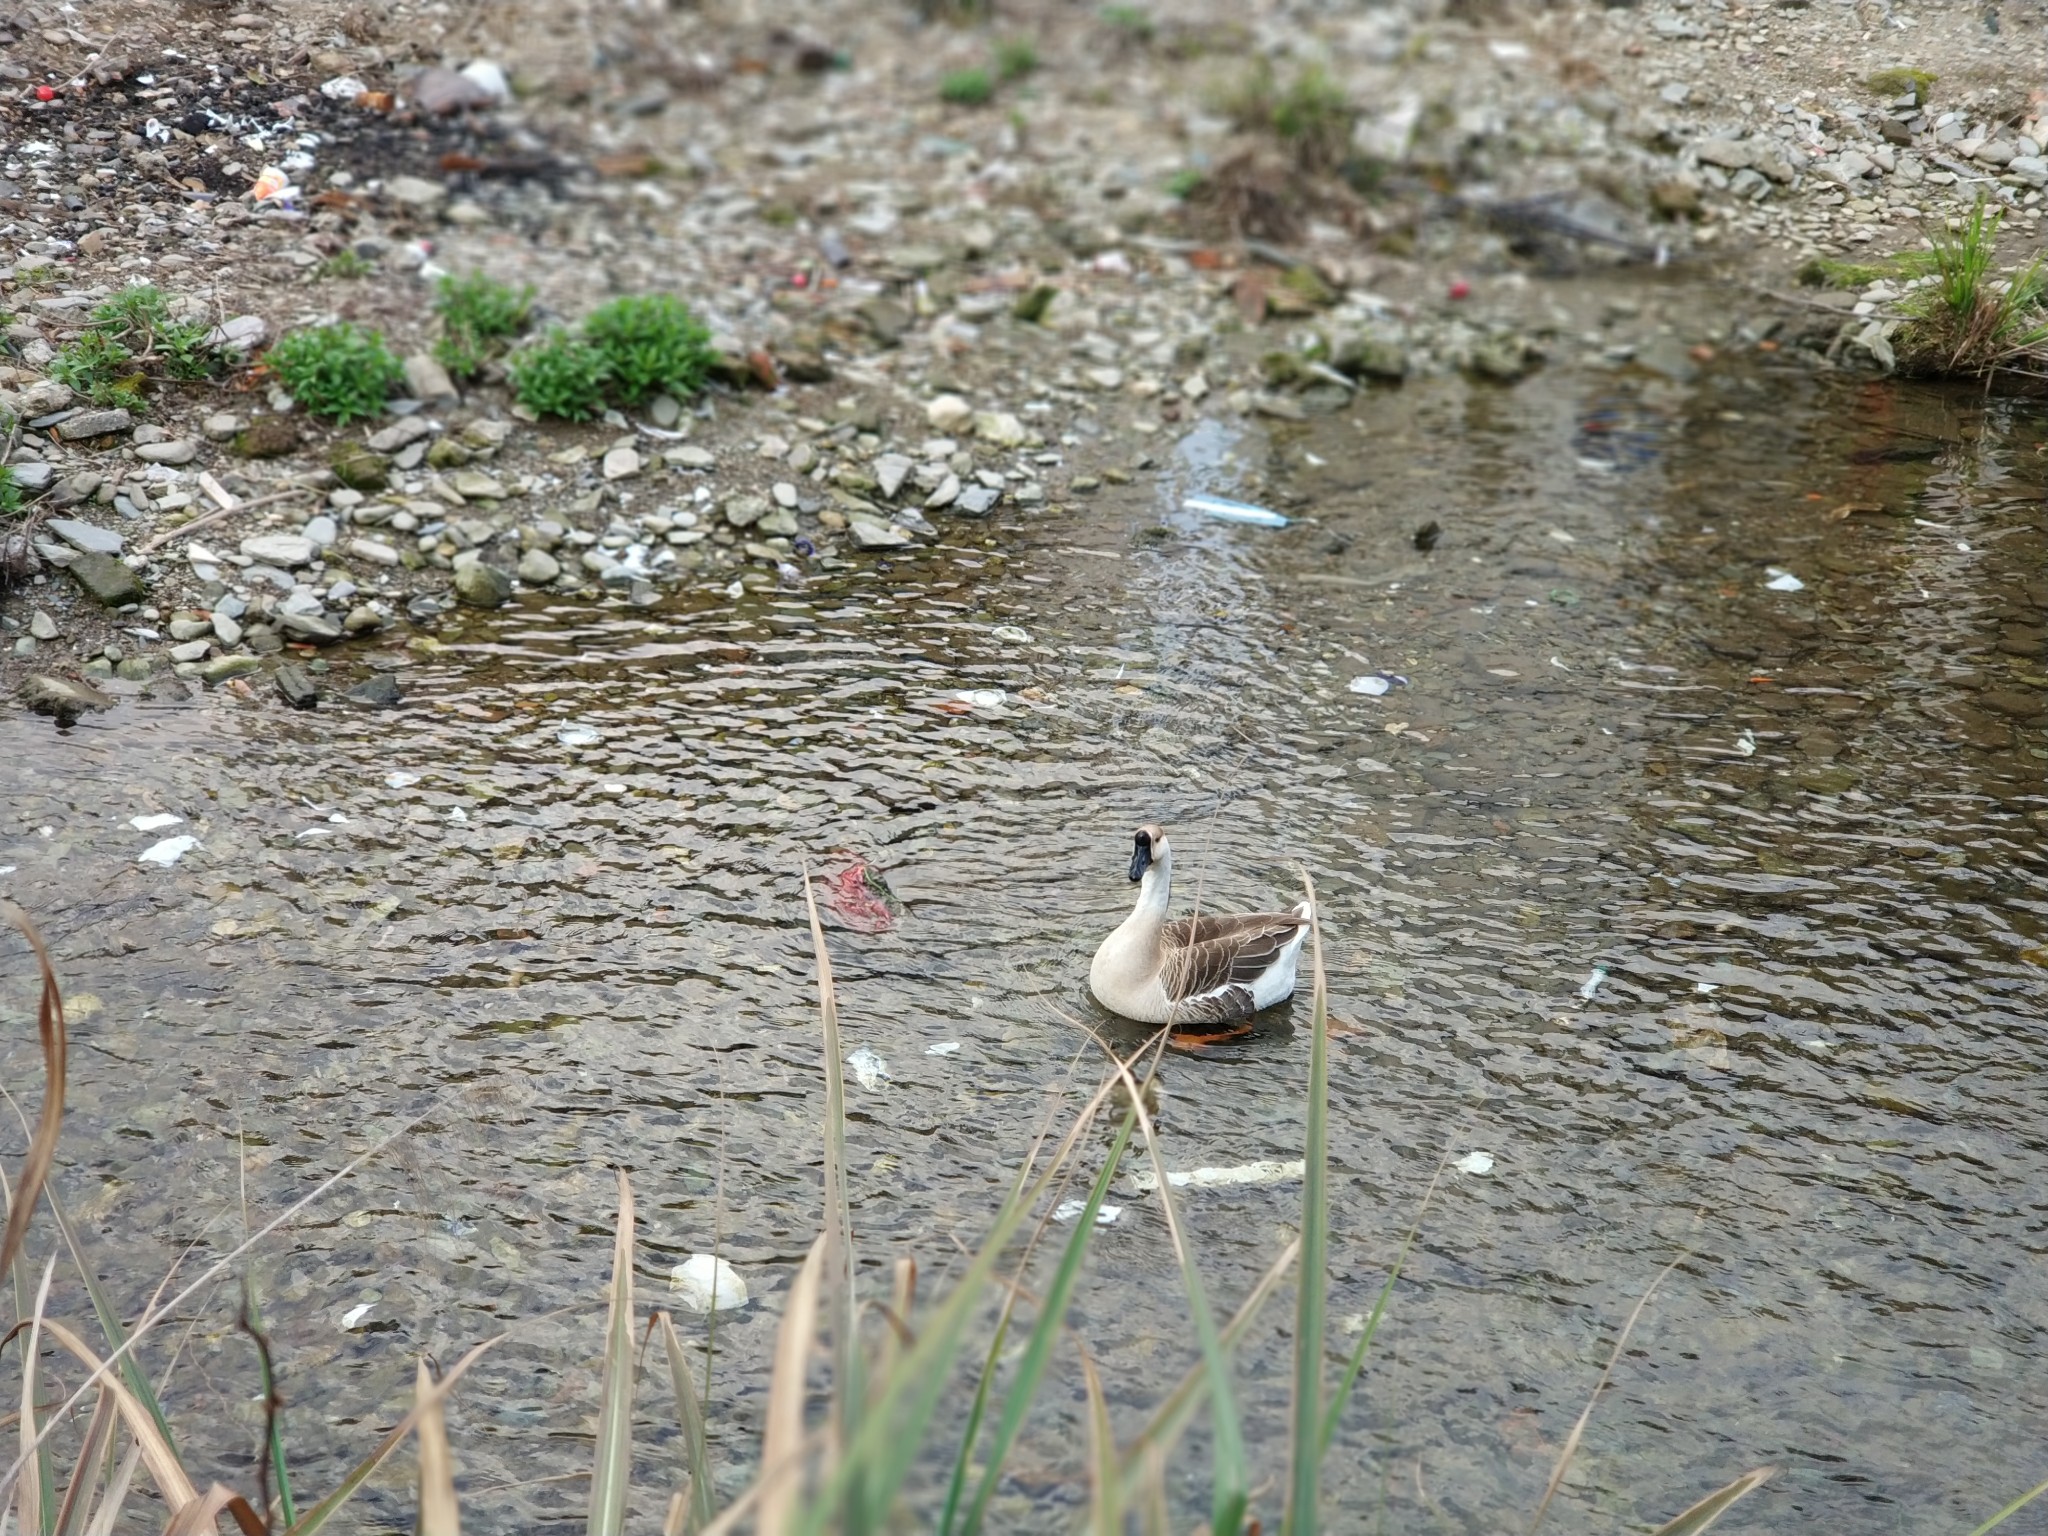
(1149, 848)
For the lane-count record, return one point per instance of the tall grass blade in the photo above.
(439, 1514)
(1045, 1332)
(1229, 1491)
(1105, 1511)
(612, 1473)
(977, 1411)
(2010, 1510)
(318, 1516)
(164, 1468)
(696, 1459)
(273, 1403)
(1714, 1505)
(110, 1320)
(37, 1497)
(839, 1263)
(116, 1494)
(78, 1496)
(1342, 1395)
(782, 1437)
(1154, 1517)
(1571, 1444)
(42, 1147)
(202, 1514)
(1305, 1446)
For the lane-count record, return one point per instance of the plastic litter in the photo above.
(1225, 510)
(861, 898)
(169, 851)
(869, 1070)
(981, 698)
(398, 778)
(154, 823)
(1011, 634)
(1144, 1181)
(1371, 687)
(706, 1283)
(1782, 581)
(355, 1315)
(1475, 1162)
(579, 736)
(1746, 743)
(342, 88)
(1070, 1210)
(1592, 982)
(273, 185)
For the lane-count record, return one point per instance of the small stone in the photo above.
(42, 626)
(107, 579)
(374, 551)
(665, 411)
(415, 192)
(227, 628)
(1847, 167)
(87, 424)
(442, 453)
(358, 468)
(221, 668)
(784, 494)
(946, 494)
(706, 1283)
(243, 334)
(85, 536)
(361, 620)
(297, 687)
(621, 464)
(1676, 196)
(191, 629)
(976, 501)
(400, 434)
(379, 692)
(314, 628)
(869, 535)
(1000, 428)
(948, 413)
(426, 379)
(780, 524)
(690, 456)
(191, 650)
(61, 697)
(745, 511)
(33, 475)
(2032, 168)
(537, 568)
(322, 531)
(267, 437)
(135, 669)
(475, 485)
(483, 586)
(178, 451)
(221, 426)
(886, 318)
(1729, 154)
(891, 470)
(285, 550)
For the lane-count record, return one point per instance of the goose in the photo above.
(1198, 970)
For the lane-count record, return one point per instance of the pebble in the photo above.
(977, 501)
(690, 456)
(281, 549)
(314, 627)
(87, 424)
(226, 628)
(537, 568)
(191, 650)
(85, 536)
(784, 494)
(475, 485)
(1000, 428)
(947, 493)
(704, 1283)
(482, 586)
(948, 413)
(107, 579)
(891, 470)
(221, 668)
(621, 464)
(221, 426)
(664, 411)
(243, 334)
(402, 433)
(426, 379)
(745, 511)
(322, 531)
(181, 450)
(373, 550)
(379, 692)
(297, 687)
(42, 626)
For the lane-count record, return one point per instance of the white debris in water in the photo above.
(1371, 687)
(1475, 1162)
(1070, 1210)
(398, 778)
(869, 1070)
(1746, 743)
(1144, 1181)
(154, 823)
(355, 1315)
(943, 1048)
(169, 851)
(1782, 581)
(1011, 634)
(1592, 983)
(614, 789)
(579, 736)
(982, 698)
(706, 1283)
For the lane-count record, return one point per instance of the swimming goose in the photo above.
(1198, 970)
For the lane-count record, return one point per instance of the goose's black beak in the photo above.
(1141, 858)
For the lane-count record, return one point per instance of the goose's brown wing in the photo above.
(1212, 961)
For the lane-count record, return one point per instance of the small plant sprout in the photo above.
(341, 371)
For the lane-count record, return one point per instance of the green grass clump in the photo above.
(1133, 23)
(1016, 57)
(562, 375)
(1185, 183)
(130, 338)
(651, 345)
(1894, 83)
(479, 315)
(346, 264)
(10, 491)
(101, 368)
(1968, 322)
(1311, 115)
(967, 87)
(342, 371)
(1827, 272)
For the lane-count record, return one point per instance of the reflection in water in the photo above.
(556, 906)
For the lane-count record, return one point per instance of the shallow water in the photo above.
(1712, 914)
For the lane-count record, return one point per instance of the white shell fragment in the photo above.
(706, 1283)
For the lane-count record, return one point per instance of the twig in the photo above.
(213, 517)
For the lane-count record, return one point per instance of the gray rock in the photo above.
(62, 697)
(945, 494)
(34, 475)
(475, 485)
(374, 551)
(362, 619)
(359, 469)
(191, 650)
(315, 628)
(779, 524)
(280, 549)
(483, 586)
(108, 580)
(227, 627)
(537, 568)
(400, 434)
(380, 692)
(1000, 428)
(426, 379)
(87, 424)
(415, 192)
(85, 536)
(2032, 168)
(948, 413)
(664, 411)
(221, 426)
(1847, 167)
(243, 334)
(1729, 154)
(878, 535)
(690, 456)
(621, 464)
(891, 470)
(178, 451)
(745, 511)
(297, 687)
(221, 668)
(322, 530)
(191, 629)
(42, 626)
(977, 501)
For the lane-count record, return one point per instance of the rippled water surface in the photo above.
(1713, 914)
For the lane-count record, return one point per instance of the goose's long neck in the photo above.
(1155, 890)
